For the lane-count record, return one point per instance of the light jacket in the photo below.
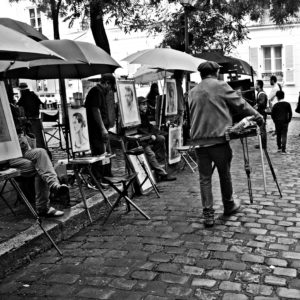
(213, 105)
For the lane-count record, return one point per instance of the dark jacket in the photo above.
(213, 104)
(146, 127)
(282, 112)
(31, 104)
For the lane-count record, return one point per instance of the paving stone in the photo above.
(219, 274)
(275, 280)
(288, 293)
(259, 289)
(95, 293)
(122, 283)
(285, 272)
(178, 291)
(203, 282)
(231, 296)
(253, 258)
(232, 265)
(276, 262)
(172, 278)
(63, 278)
(230, 286)
(144, 275)
(247, 277)
(192, 270)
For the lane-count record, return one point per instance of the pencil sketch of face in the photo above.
(129, 97)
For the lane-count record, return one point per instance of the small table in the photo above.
(9, 175)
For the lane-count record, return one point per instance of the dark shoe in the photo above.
(52, 213)
(283, 152)
(233, 210)
(61, 191)
(209, 217)
(167, 177)
(256, 146)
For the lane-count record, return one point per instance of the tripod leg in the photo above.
(272, 171)
(262, 160)
(29, 206)
(247, 167)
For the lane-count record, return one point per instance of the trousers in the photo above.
(28, 170)
(155, 153)
(221, 156)
(281, 134)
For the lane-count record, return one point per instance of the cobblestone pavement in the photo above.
(254, 254)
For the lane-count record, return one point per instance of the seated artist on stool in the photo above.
(36, 162)
(155, 148)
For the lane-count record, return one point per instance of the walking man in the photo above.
(213, 104)
(282, 116)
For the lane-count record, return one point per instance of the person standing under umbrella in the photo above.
(31, 104)
(98, 123)
(151, 97)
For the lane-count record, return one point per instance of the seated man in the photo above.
(155, 149)
(36, 162)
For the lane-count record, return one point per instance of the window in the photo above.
(35, 18)
(272, 63)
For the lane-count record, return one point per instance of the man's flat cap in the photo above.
(208, 66)
(108, 77)
(142, 99)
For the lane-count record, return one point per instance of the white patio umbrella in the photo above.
(166, 59)
(145, 74)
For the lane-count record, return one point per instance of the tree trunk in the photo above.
(97, 26)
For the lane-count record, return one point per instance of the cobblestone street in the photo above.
(254, 254)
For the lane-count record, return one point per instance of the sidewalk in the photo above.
(20, 236)
(254, 254)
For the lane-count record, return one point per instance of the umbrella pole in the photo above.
(162, 100)
(63, 95)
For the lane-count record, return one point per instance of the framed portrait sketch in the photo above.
(174, 142)
(9, 143)
(171, 97)
(147, 186)
(78, 129)
(128, 105)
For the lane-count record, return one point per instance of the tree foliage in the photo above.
(213, 24)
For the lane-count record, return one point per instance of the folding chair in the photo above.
(51, 127)
(184, 152)
(126, 181)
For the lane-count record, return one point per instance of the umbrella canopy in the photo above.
(82, 60)
(166, 59)
(145, 74)
(228, 63)
(23, 28)
(17, 46)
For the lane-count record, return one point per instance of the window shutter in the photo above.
(254, 58)
(289, 77)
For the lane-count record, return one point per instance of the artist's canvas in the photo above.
(175, 141)
(78, 129)
(128, 105)
(9, 143)
(140, 171)
(171, 98)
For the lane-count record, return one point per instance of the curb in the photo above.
(23, 247)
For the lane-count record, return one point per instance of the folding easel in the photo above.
(9, 175)
(249, 132)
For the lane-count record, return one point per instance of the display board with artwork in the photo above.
(137, 167)
(78, 129)
(175, 140)
(171, 107)
(130, 115)
(9, 143)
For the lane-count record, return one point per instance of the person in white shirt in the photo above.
(273, 99)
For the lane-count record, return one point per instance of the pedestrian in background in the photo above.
(272, 97)
(213, 104)
(282, 116)
(260, 106)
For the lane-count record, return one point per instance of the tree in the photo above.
(54, 9)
